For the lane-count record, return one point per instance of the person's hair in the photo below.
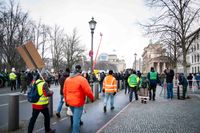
(133, 72)
(37, 76)
(67, 70)
(110, 72)
(78, 69)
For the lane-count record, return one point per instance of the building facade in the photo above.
(111, 61)
(154, 55)
(193, 56)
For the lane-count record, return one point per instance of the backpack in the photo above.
(144, 83)
(32, 94)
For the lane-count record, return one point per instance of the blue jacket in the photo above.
(182, 80)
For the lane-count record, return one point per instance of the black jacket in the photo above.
(169, 76)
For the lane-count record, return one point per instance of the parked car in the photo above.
(3, 79)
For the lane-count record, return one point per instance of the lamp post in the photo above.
(135, 60)
(92, 25)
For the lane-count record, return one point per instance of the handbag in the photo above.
(69, 111)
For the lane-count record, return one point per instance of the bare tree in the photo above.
(13, 30)
(73, 50)
(57, 43)
(41, 37)
(184, 13)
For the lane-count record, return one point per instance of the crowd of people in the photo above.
(75, 87)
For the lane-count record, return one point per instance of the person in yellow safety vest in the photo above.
(41, 105)
(133, 81)
(110, 89)
(13, 77)
(154, 80)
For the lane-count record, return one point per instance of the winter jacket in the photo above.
(110, 84)
(169, 76)
(75, 90)
(62, 81)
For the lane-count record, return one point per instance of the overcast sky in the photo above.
(116, 19)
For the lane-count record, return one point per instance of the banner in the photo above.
(30, 56)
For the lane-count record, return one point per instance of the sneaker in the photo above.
(112, 108)
(58, 115)
(81, 123)
(182, 98)
(104, 109)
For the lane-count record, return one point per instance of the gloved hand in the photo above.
(114, 93)
(103, 91)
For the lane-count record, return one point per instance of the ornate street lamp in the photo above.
(92, 25)
(135, 61)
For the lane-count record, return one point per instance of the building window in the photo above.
(198, 58)
(194, 48)
(197, 46)
(195, 58)
(192, 59)
(192, 69)
(198, 69)
(195, 69)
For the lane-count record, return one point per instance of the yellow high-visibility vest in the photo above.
(43, 99)
(12, 76)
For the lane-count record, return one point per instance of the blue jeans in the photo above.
(169, 90)
(100, 86)
(77, 113)
(60, 104)
(107, 96)
(133, 89)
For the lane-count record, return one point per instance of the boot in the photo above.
(104, 109)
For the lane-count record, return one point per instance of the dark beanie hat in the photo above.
(78, 69)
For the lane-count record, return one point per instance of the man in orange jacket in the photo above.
(110, 89)
(75, 90)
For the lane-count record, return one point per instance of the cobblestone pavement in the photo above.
(160, 116)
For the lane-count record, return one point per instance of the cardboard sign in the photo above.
(30, 56)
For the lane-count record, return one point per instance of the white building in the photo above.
(103, 57)
(154, 55)
(193, 56)
(114, 60)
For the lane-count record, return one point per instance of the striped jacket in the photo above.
(110, 84)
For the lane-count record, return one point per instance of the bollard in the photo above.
(178, 92)
(13, 112)
(96, 90)
(50, 106)
(121, 85)
(87, 99)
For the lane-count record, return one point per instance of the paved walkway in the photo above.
(162, 115)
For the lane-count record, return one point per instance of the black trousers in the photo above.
(13, 85)
(133, 89)
(152, 88)
(35, 114)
